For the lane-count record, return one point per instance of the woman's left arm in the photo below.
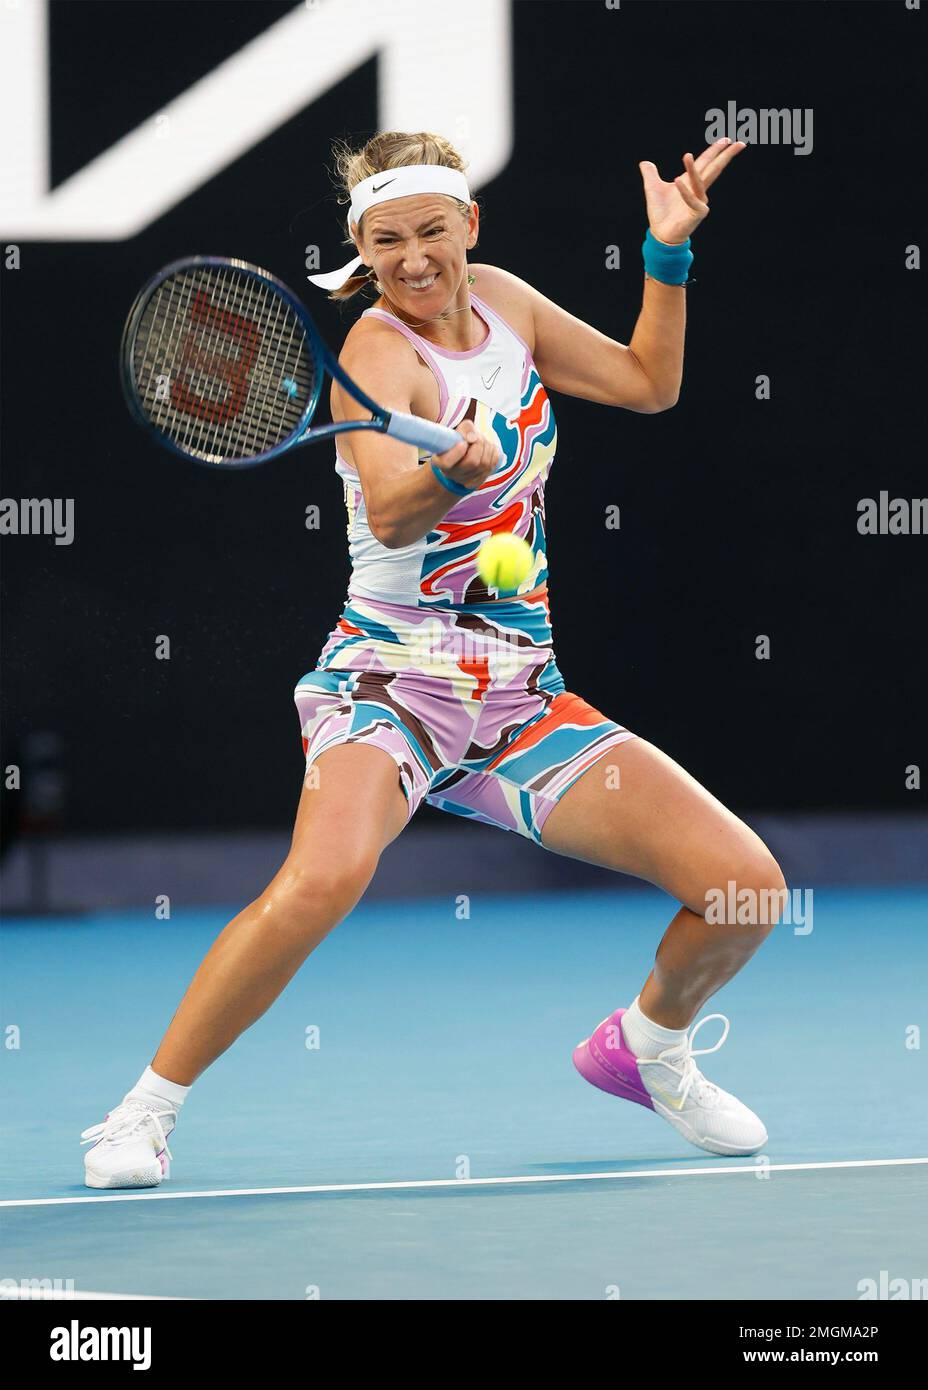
(645, 375)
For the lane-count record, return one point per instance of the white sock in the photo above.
(150, 1086)
(645, 1037)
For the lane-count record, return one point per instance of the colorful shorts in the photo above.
(468, 702)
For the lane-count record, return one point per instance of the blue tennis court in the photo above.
(406, 1122)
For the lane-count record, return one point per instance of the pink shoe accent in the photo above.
(163, 1160)
(606, 1061)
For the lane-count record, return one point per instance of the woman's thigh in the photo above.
(351, 806)
(639, 812)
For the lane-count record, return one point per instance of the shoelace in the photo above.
(127, 1120)
(690, 1075)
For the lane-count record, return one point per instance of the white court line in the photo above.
(66, 1296)
(427, 1183)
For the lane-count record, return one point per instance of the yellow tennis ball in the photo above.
(504, 560)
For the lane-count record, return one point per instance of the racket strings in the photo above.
(221, 363)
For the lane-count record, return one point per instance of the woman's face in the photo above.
(418, 248)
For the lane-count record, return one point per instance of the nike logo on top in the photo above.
(493, 376)
(375, 188)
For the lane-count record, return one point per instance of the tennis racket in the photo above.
(223, 364)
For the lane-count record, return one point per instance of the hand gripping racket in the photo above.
(223, 364)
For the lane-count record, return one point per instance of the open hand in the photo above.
(676, 209)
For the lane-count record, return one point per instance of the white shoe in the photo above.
(704, 1114)
(673, 1086)
(130, 1147)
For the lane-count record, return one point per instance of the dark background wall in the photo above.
(738, 516)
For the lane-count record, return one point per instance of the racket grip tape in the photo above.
(425, 434)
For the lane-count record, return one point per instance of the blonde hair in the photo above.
(390, 149)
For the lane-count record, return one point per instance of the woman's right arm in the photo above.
(404, 499)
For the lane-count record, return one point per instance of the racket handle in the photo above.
(425, 434)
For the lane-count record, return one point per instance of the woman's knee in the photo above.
(317, 890)
(751, 892)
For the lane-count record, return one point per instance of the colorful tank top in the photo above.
(497, 386)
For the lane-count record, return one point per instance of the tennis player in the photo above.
(433, 687)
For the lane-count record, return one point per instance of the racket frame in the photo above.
(323, 361)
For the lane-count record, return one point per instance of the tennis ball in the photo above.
(504, 560)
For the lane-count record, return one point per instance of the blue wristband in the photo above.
(450, 484)
(669, 264)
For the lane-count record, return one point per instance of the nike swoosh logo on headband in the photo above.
(375, 188)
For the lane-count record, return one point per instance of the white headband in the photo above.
(381, 188)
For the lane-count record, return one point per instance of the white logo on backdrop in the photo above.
(447, 71)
